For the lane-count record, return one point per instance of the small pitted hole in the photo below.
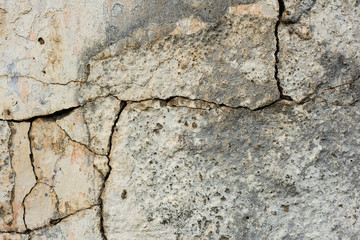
(124, 194)
(247, 217)
(41, 41)
(43, 71)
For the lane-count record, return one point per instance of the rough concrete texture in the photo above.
(219, 173)
(186, 119)
(219, 63)
(319, 50)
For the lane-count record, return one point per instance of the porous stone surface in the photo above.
(229, 62)
(287, 171)
(319, 50)
(186, 119)
(24, 97)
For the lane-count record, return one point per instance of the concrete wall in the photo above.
(179, 119)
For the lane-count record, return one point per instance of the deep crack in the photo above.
(102, 227)
(31, 155)
(277, 61)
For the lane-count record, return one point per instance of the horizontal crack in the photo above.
(59, 113)
(50, 115)
(211, 105)
(44, 83)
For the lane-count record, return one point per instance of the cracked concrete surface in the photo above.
(179, 119)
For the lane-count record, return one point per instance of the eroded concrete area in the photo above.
(226, 57)
(189, 172)
(319, 51)
(191, 119)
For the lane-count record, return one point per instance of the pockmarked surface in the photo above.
(187, 172)
(189, 119)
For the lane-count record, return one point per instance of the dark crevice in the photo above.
(87, 71)
(168, 102)
(281, 11)
(56, 114)
(15, 232)
(31, 153)
(102, 227)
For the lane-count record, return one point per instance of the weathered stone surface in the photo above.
(44, 63)
(82, 225)
(91, 125)
(286, 171)
(43, 53)
(25, 97)
(159, 18)
(167, 119)
(319, 50)
(19, 150)
(13, 236)
(49, 41)
(229, 62)
(65, 168)
(7, 176)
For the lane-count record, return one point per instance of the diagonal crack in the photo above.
(58, 220)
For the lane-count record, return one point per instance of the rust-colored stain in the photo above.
(24, 90)
(78, 155)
